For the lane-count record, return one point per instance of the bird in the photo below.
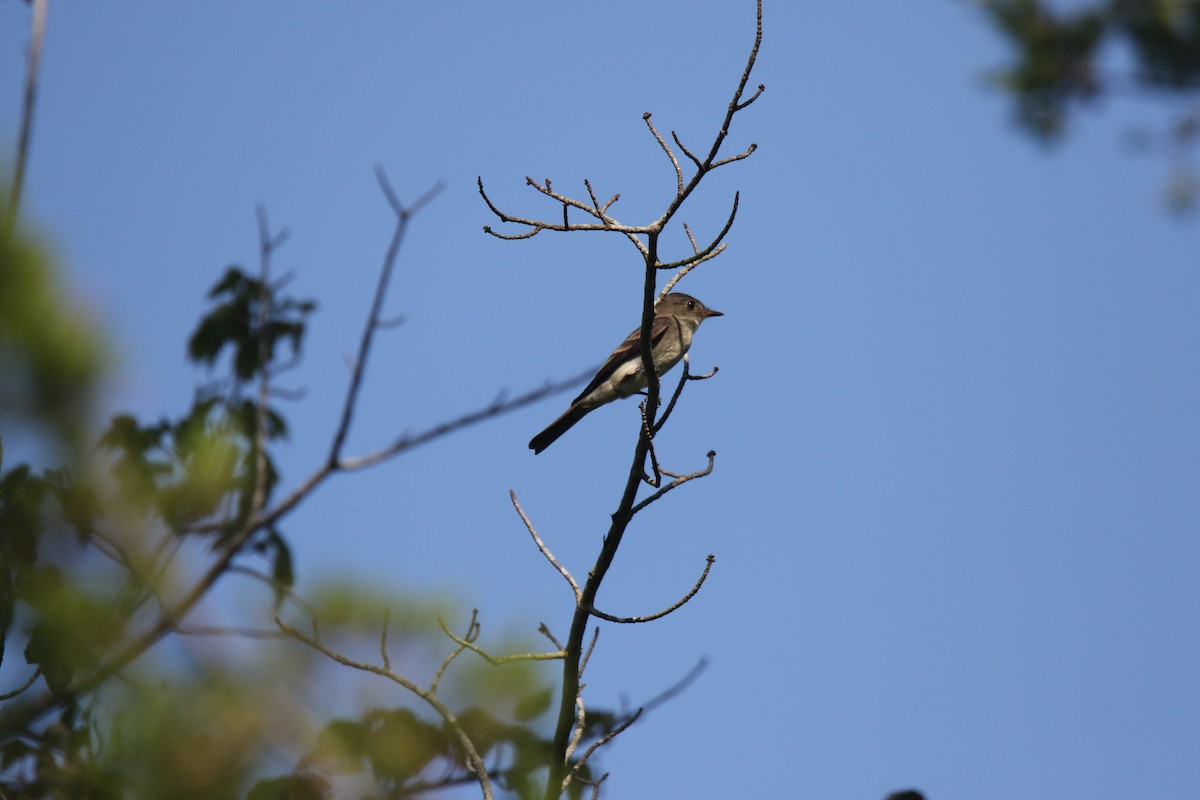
(675, 320)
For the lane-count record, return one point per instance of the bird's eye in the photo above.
(691, 304)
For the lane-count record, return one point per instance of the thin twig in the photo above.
(404, 215)
(606, 223)
(300, 603)
(541, 546)
(497, 660)
(673, 607)
(603, 740)
(37, 34)
(655, 478)
(682, 479)
(463, 644)
(749, 151)
(713, 246)
(266, 245)
(409, 441)
(683, 378)
(576, 730)
(595, 784)
(691, 265)
(666, 149)
(687, 152)
(383, 637)
(545, 631)
(32, 678)
(587, 654)
(679, 686)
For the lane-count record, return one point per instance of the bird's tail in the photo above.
(557, 428)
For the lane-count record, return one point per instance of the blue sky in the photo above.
(955, 500)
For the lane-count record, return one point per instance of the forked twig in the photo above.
(404, 215)
(463, 644)
(469, 644)
(679, 481)
(666, 149)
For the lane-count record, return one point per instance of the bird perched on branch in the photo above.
(675, 320)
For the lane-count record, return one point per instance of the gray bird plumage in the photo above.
(675, 320)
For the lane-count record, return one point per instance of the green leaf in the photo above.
(533, 705)
(399, 744)
(281, 562)
(342, 743)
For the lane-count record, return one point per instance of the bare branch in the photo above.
(680, 685)
(660, 614)
(463, 644)
(587, 654)
(655, 477)
(266, 246)
(541, 546)
(761, 87)
(383, 637)
(402, 210)
(409, 441)
(601, 210)
(295, 599)
(713, 247)
(746, 154)
(32, 679)
(403, 216)
(576, 731)
(595, 784)
(606, 223)
(393, 322)
(545, 631)
(686, 152)
(736, 105)
(674, 161)
(679, 481)
(496, 660)
(678, 276)
(675, 395)
(37, 34)
(515, 236)
(603, 740)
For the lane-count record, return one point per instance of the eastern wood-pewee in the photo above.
(675, 320)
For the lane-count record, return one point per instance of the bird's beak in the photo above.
(708, 312)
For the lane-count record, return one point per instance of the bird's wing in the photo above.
(630, 348)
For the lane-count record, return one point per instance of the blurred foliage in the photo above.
(408, 756)
(90, 553)
(149, 483)
(241, 323)
(50, 356)
(1062, 52)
